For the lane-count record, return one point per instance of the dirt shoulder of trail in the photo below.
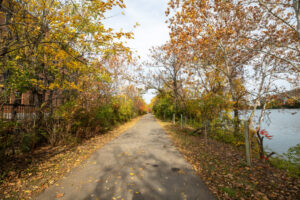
(29, 175)
(224, 170)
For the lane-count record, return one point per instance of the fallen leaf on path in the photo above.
(59, 195)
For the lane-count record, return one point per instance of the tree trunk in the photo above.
(38, 101)
(237, 120)
(49, 102)
(297, 12)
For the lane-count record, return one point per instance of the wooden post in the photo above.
(185, 120)
(181, 121)
(174, 118)
(247, 142)
(164, 115)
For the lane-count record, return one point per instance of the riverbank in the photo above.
(26, 176)
(225, 172)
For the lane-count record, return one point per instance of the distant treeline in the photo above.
(289, 99)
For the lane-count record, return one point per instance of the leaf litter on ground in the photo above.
(224, 170)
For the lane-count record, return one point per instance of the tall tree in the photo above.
(168, 71)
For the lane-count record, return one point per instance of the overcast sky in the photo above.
(153, 30)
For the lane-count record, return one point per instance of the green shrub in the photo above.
(293, 169)
(293, 154)
(105, 116)
(27, 143)
(71, 122)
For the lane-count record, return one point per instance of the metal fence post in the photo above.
(174, 118)
(247, 142)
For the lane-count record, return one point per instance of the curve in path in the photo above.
(140, 164)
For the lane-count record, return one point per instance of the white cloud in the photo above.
(150, 15)
(153, 30)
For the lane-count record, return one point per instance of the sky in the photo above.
(153, 31)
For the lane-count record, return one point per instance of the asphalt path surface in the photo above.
(140, 164)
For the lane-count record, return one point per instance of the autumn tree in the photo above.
(237, 50)
(277, 35)
(167, 72)
(73, 65)
(213, 33)
(48, 45)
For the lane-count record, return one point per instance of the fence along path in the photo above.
(21, 112)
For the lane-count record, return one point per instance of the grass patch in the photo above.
(293, 169)
(229, 191)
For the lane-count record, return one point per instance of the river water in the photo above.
(284, 126)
